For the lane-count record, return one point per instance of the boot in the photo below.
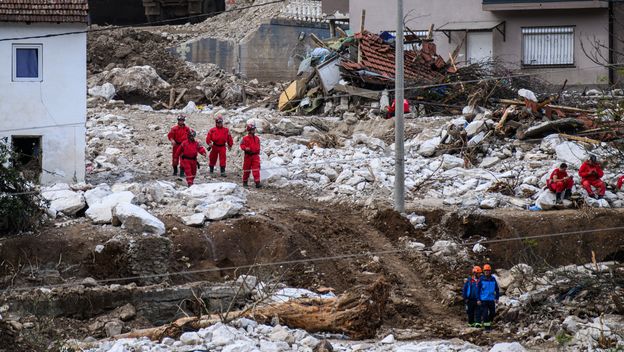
(182, 173)
(245, 184)
(175, 171)
(258, 185)
(211, 170)
(558, 198)
(567, 194)
(223, 171)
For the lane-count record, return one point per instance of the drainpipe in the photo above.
(611, 43)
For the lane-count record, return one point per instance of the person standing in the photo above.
(469, 292)
(250, 145)
(218, 139)
(488, 294)
(189, 149)
(177, 135)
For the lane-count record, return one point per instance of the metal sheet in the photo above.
(329, 73)
(469, 26)
(548, 46)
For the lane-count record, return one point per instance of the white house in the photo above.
(43, 49)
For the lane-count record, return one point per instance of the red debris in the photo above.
(378, 57)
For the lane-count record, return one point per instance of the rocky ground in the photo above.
(329, 182)
(134, 247)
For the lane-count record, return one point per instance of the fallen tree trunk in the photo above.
(556, 126)
(357, 313)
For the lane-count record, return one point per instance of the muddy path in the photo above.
(314, 245)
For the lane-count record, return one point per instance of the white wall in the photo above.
(420, 14)
(54, 108)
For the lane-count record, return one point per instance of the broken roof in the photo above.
(50, 11)
(378, 62)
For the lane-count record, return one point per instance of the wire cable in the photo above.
(315, 260)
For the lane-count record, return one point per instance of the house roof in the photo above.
(378, 61)
(51, 11)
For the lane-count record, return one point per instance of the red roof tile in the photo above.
(379, 57)
(55, 11)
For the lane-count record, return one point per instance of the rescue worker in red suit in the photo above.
(392, 109)
(189, 149)
(620, 181)
(251, 163)
(218, 139)
(560, 183)
(177, 135)
(591, 174)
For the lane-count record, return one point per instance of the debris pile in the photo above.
(360, 68)
(566, 298)
(138, 67)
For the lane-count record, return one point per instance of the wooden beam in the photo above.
(363, 23)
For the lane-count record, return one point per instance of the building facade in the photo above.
(43, 86)
(551, 39)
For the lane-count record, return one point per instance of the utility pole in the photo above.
(399, 123)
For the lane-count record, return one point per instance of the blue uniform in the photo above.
(488, 292)
(470, 294)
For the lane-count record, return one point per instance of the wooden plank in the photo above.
(341, 33)
(430, 32)
(172, 95)
(363, 23)
(579, 139)
(179, 97)
(360, 92)
(318, 41)
(501, 123)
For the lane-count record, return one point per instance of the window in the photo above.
(548, 46)
(27, 62)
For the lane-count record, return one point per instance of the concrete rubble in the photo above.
(247, 335)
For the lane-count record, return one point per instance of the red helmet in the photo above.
(251, 126)
(218, 119)
(477, 269)
(181, 118)
(192, 133)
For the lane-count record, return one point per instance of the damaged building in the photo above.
(43, 86)
(547, 38)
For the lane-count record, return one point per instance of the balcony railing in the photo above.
(500, 5)
(303, 10)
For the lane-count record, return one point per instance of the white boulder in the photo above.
(102, 212)
(428, 147)
(194, 220)
(137, 220)
(508, 347)
(191, 338)
(96, 194)
(219, 210)
(63, 200)
(106, 91)
(546, 200)
(489, 203)
(572, 153)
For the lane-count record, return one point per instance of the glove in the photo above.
(208, 148)
(198, 165)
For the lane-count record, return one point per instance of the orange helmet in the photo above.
(251, 126)
(477, 270)
(487, 267)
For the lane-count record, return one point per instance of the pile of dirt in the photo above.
(110, 51)
(128, 47)
(236, 25)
